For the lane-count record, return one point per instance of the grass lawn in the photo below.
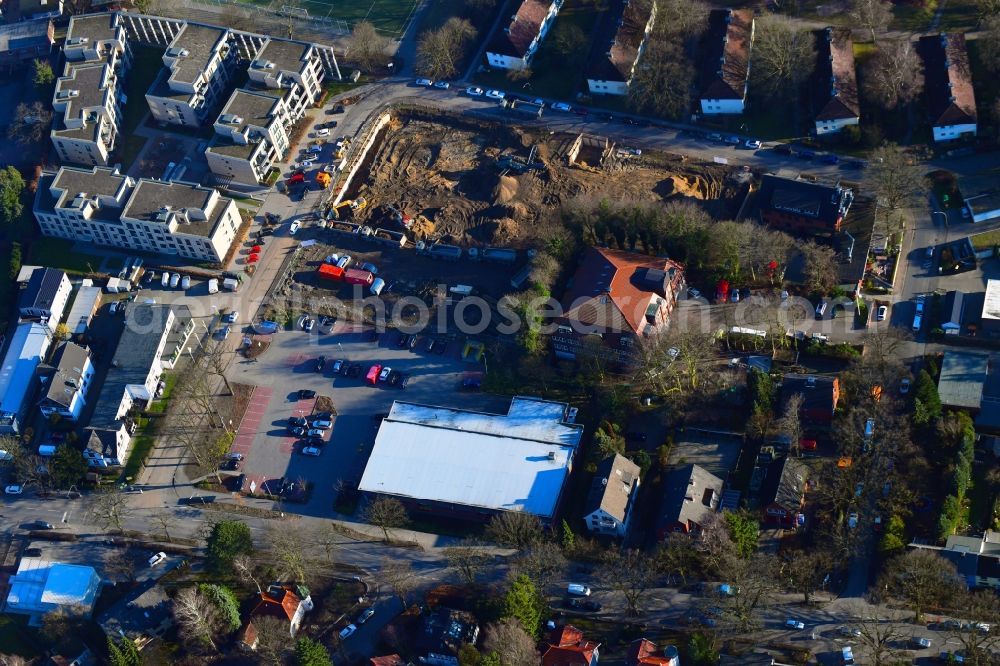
(146, 65)
(142, 444)
(59, 253)
(985, 240)
(388, 16)
(910, 18)
(159, 406)
(130, 150)
(551, 70)
(14, 636)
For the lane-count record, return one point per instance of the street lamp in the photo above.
(942, 214)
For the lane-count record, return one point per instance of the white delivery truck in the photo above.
(231, 284)
(213, 286)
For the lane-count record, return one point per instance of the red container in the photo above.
(355, 276)
(330, 272)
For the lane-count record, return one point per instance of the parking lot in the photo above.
(716, 452)
(289, 365)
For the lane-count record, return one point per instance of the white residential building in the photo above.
(836, 77)
(88, 97)
(66, 382)
(104, 207)
(726, 65)
(951, 97)
(612, 497)
(295, 67)
(198, 65)
(45, 296)
(515, 45)
(251, 134)
(610, 71)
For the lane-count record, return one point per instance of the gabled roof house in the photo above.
(515, 45)
(836, 84)
(627, 29)
(820, 395)
(612, 496)
(951, 97)
(691, 494)
(782, 494)
(726, 61)
(568, 647)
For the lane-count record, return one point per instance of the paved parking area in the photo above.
(289, 365)
(716, 452)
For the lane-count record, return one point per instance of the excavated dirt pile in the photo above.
(476, 185)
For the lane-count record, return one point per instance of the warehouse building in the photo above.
(474, 465)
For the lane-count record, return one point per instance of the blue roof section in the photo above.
(27, 349)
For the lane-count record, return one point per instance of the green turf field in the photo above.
(388, 16)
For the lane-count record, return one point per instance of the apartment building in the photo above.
(726, 61)
(293, 66)
(198, 66)
(610, 72)
(251, 134)
(65, 383)
(104, 207)
(951, 97)
(515, 45)
(836, 84)
(88, 98)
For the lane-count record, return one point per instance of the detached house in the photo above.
(45, 296)
(802, 208)
(280, 601)
(514, 46)
(610, 70)
(568, 647)
(726, 61)
(691, 495)
(836, 84)
(618, 297)
(612, 496)
(66, 382)
(782, 494)
(820, 396)
(948, 86)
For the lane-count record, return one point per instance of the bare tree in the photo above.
(110, 509)
(515, 529)
(30, 123)
(789, 426)
(783, 55)
(755, 583)
(468, 559)
(274, 639)
(872, 15)
(367, 46)
(288, 548)
(978, 635)
(820, 266)
(664, 80)
(893, 77)
(879, 634)
(121, 564)
(676, 557)
(386, 513)
(400, 577)
(440, 51)
(243, 567)
(921, 578)
(165, 520)
(896, 177)
(13, 660)
(630, 573)
(805, 571)
(194, 615)
(988, 44)
(543, 563)
(508, 640)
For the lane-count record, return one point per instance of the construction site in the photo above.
(470, 183)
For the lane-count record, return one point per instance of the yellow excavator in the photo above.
(356, 205)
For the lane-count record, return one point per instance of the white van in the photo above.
(165, 280)
(213, 286)
(578, 590)
(821, 309)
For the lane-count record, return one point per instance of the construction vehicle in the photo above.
(339, 155)
(519, 164)
(323, 179)
(335, 210)
(356, 206)
(359, 204)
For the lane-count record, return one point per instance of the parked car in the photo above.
(323, 132)
(42, 525)
(315, 432)
(384, 374)
(404, 341)
(794, 624)
(348, 631)
(424, 82)
(442, 85)
(904, 386)
(15, 489)
(306, 393)
(231, 317)
(714, 136)
(320, 363)
(366, 615)
(156, 559)
(495, 94)
(561, 106)
(308, 326)
(473, 91)
(338, 365)
(370, 267)
(311, 451)
(175, 280)
(293, 227)
(234, 456)
(321, 424)
(883, 311)
(752, 144)
(852, 520)
(297, 422)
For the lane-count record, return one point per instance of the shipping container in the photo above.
(330, 272)
(354, 276)
(378, 284)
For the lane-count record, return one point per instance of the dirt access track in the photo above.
(470, 178)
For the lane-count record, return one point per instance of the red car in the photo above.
(373, 373)
(807, 444)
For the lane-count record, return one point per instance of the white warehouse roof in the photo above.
(27, 349)
(83, 307)
(41, 586)
(517, 461)
(991, 305)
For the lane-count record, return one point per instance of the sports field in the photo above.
(388, 16)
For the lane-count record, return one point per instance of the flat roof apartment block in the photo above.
(296, 66)
(101, 206)
(197, 66)
(474, 464)
(251, 134)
